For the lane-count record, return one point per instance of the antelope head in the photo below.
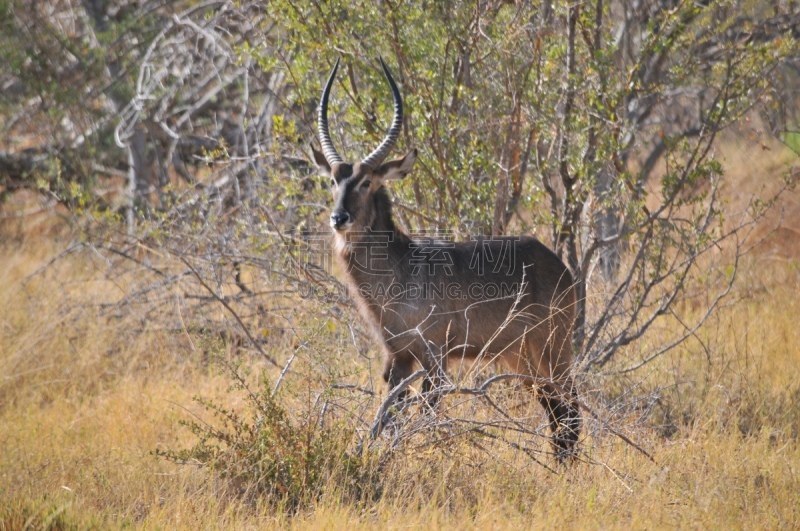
(358, 187)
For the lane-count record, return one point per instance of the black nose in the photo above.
(338, 219)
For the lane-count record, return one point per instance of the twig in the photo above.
(377, 425)
(222, 301)
(283, 373)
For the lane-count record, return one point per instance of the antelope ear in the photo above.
(397, 169)
(322, 162)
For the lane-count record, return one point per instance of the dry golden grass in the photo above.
(83, 405)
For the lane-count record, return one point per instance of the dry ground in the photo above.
(85, 402)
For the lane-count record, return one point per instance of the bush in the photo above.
(288, 463)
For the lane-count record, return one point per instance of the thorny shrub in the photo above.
(270, 453)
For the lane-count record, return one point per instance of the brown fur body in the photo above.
(413, 292)
(429, 302)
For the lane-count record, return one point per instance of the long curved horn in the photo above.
(322, 122)
(377, 156)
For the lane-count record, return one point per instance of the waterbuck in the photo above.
(501, 299)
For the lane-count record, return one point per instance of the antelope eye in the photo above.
(366, 184)
(333, 182)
